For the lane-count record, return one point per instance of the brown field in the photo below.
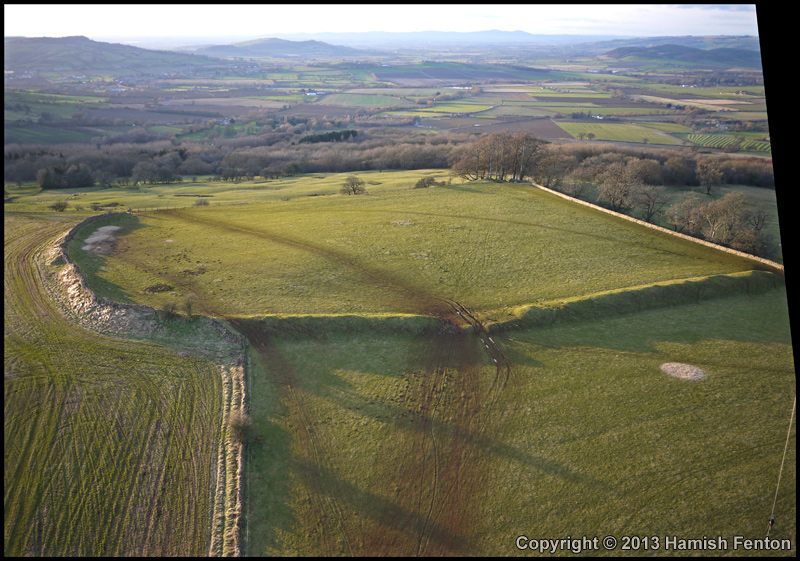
(318, 110)
(189, 104)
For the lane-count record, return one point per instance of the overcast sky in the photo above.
(262, 20)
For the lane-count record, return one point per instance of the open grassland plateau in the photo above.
(406, 401)
(338, 254)
(112, 446)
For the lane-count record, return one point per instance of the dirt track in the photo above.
(435, 480)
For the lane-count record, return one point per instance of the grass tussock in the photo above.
(240, 427)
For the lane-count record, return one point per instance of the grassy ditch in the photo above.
(635, 299)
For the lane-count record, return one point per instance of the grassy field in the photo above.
(337, 254)
(622, 132)
(589, 437)
(365, 100)
(388, 421)
(111, 445)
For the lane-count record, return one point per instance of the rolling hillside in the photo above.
(278, 48)
(80, 54)
(721, 57)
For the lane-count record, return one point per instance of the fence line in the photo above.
(772, 265)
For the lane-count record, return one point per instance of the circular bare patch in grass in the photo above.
(102, 240)
(683, 371)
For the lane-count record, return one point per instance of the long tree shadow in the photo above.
(465, 450)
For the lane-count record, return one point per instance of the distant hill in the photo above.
(721, 57)
(80, 54)
(278, 48)
(421, 39)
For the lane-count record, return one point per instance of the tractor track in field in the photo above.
(326, 511)
(454, 489)
(62, 407)
(435, 511)
(440, 475)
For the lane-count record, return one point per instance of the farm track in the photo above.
(434, 510)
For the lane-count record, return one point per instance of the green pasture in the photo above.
(621, 132)
(38, 133)
(520, 110)
(454, 107)
(589, 437)
(365, 100)
(58, 105)
(413, 93)
(488, 245)
(723, 92)
(556, 92)
(665, 126)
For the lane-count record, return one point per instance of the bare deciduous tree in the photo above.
(709, 174)
(614, 187)
(353, 186)
(649, 200)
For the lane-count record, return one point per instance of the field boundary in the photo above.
(772, 266)
(636, 299)
(69, 288)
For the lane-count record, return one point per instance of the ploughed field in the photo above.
(111, 445)
(403, 405)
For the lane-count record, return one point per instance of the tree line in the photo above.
(644, 185)
(634, 181)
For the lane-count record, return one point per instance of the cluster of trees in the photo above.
(638, 185)
(576, 164)
(634, 181)
(732, 221)
(269, 155)
(76, 175)
(499, 155)
(332, 136)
